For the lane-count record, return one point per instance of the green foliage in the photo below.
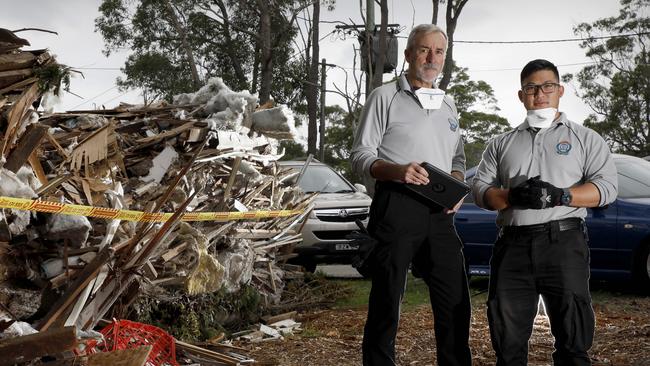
(478, 109)
(156, 74)
(339, 136)
(416, 294)
(193, 318)
(617, 86)
(52, 77)
(292, 150)
(223, 45)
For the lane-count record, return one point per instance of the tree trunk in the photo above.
(234, 59)
(454, 9)
(377, 78)
(186, 46)
(311, 87)
(256, 67)
(266, 56)
(436, 6)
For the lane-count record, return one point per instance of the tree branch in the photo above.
(34, 29)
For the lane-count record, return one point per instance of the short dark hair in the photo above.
(537, 65)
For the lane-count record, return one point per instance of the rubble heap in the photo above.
(210, 151)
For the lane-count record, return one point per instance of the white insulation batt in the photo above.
(276, 122)
(225, 106)
(238, 263)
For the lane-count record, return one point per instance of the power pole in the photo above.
(370, 30)
(323, 89)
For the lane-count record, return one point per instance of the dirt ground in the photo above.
(333, 337)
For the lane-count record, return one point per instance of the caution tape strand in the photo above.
(129, 215)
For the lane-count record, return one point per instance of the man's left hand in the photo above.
(456, 208)
(535, 194)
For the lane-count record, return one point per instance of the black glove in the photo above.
(535, 194)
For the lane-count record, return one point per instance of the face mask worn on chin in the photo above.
(541, 118)
(430, 98)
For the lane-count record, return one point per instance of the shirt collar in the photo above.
(404, 84)
(561, 120)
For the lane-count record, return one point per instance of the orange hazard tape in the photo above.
(128, 215)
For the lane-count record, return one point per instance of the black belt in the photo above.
(573, 223)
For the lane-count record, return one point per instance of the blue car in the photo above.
(619, 234)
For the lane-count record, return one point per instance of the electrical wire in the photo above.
(550, 40)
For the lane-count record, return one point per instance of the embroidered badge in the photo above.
(453, 124)
(563, 147)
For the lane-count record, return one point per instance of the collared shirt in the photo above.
(394, 127)
(566, 154)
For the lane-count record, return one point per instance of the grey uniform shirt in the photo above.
(566, 154)
(394, 127)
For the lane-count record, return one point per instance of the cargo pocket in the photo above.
(579, 323)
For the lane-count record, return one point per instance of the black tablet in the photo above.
(442, 189)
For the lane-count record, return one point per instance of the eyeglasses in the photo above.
(547, 88)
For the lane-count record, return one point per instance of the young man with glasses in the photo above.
(404, 123)
(541, 176)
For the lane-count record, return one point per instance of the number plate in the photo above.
(346, 246)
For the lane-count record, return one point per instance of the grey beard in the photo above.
(419, 72)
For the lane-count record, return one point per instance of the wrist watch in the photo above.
(566, 197)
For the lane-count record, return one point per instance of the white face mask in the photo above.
(541, 118)
(430, 98)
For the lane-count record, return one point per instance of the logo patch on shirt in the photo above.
(453, 124)
(563, 147)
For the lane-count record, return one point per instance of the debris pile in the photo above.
(103, 205)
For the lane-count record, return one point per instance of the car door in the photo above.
(478, 231)
(602, 228)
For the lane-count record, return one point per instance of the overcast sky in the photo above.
(79, 46)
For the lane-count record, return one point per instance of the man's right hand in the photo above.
(414, 173)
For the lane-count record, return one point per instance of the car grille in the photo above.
(342, 214)
(332, 234)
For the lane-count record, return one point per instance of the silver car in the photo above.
(337, 207)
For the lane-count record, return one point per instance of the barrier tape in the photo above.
(140, 216)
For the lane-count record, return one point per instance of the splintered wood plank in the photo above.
(30, 140)
(35, 162)
(12, 76)
(167, 134)
(220, 357)
(18, 85)
(29, 347)
(17, 114)
(231, 181)
(13, 61)
(127, 357)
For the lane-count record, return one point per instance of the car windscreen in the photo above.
(633, 177)
(323, 179)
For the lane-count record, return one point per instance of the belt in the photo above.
(573, 223)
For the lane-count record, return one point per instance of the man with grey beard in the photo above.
(405, 123)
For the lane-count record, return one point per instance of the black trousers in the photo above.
(555, 265)
(409, 231)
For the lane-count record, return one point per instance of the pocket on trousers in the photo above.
(580, 323)
(580, 247)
